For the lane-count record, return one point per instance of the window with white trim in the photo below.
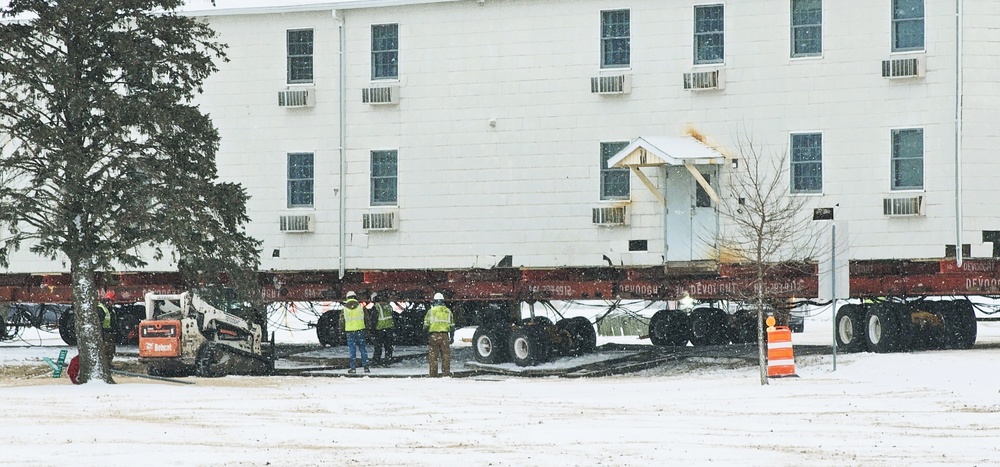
(615, 39)
(709, 34)
(614, 181)
(907, 25)
(300, 179)
(807, 163)
(300, 55)
(908, 159)
(384, 178)
(807, 28)
(385, 51)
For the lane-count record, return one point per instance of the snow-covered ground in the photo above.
(921, 408)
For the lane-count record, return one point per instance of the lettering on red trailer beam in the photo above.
(555, 290)
(982, 283)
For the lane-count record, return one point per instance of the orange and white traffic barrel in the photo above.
(780, 356)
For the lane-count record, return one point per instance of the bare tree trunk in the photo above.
(88, 324)
(761, 341)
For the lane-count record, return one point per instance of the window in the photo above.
(807, 163)
(708, 34)
(908, 159)
(300, 180)
(614, 181)
(701, 198)
(384, 178)
(385, 51)
(807, 28)
(907, 25)
(300, 56)
(615, 42)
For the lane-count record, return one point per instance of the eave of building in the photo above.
(258, 7)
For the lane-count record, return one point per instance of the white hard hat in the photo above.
(438, 296)
(351, 295)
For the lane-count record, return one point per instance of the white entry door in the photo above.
(691, 223)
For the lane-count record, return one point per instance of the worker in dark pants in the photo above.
(353, 321)
(384, 330)
(438, 323)
(108, 338)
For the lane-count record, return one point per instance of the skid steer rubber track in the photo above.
(215, 360)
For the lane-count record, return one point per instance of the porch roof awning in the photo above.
(650, 151)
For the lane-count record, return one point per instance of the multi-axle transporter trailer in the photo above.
(897, 305)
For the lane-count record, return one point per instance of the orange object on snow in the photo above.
(780, 356)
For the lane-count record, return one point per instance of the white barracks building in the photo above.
(423, 134)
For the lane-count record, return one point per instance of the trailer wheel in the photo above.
(584, 331)
(959, 324)
(528, 345)
(851, 328)
(489, 344)
(709, 326)
(884, 333)
(67, 327)
(127, 324)
(670, 328)
(744, 327)
(328, 329)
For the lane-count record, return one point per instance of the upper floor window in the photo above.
(709, 34)
(384, 179)
(807, 28)
(807, 163)
(385, 51)
(300, 179)
(907, 25)
(615, 41)
(300, 55)
(908, 159)
(614, 181)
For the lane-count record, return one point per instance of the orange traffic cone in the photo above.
(780, 356)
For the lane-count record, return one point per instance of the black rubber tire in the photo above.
(489, 344)
(884, 330)
(584, 332)
(67, 327)
(670, 328)
(743, 327)
(709, 326)
(528, 345)
(960, 326)
(851, 328)
(328, 329)
(127, 329)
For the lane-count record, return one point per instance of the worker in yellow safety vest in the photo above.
(353, 320)
(384, 329)
(439, 323)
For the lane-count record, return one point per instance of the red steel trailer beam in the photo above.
(868, 279)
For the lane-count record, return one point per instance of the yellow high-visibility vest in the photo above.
(438, 319)
(354, 316)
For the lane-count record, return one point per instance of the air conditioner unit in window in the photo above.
(703, 80)
(610, 215)
(910, 206)
(297, 223)
(381, 220)
(380, 95)
(616, 84)
(297, 98)
(912, 67)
